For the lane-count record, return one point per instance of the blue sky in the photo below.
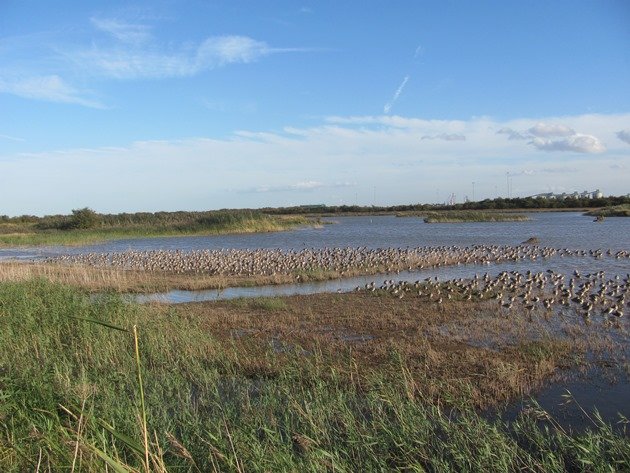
(192, 105)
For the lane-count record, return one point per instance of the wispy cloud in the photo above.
(302, 186)
(388, 106)
(151, 61)
(533, 172)
(624, 135)
(513, 134)
(51, 88)
(11, 138)
(319, 163)
(123, 31)
(132, 52)
(220, 50)
(445, 137)
(120, 49)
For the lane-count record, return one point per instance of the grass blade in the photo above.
(98, 322)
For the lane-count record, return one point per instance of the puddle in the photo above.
(572, 402)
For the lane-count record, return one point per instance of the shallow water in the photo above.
(554, 229)
(565, 265)
(570, 230)
(573, 403)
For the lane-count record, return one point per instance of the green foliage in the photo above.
(270, 304)
(456, 216)
(86, 226)
(616, 211)
(487, 204)
(83, 219)
(65, 378)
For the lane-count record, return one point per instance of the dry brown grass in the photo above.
(96, 279)
(463, 345)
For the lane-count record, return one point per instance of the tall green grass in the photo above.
(55, 231)
(616, 211)
(461, 216)
(70, 398)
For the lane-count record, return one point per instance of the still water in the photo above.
(554, 229)
(570, 230)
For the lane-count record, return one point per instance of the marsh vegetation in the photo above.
(461, 216)
(85, 226)
(347, 382)
(615, 211)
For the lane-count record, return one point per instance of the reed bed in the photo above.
(615, 211)
(58, 230)
(462, 216)
(88, 384)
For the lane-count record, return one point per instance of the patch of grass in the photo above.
(472, 216)
(616, 211)
(270, 304)
(70, 394)
(98, 279)
(58, 231)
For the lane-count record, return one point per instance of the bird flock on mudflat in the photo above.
(545, 292)
(268, 262)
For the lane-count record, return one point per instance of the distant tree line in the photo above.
(87, 218)
(487, 204)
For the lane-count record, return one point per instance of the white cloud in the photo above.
(534, 172)
(187, 60)
(557, 137)
(306, 185)
(122, 31)
(624, 135)
(545, 130)
(388, 106)
(302, 186)
(51, 88)
(578, 143)
(340, 159)
(134, 53)
(513, 134)
(446, 137)
(11, 138)
(220, 50)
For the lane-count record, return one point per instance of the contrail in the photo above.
(388, 105)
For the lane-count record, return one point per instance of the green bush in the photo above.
(83, 219)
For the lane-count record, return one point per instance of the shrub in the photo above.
(83, 219)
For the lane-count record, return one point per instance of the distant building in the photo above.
(596, 194)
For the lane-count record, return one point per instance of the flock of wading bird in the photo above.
(588, 294)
